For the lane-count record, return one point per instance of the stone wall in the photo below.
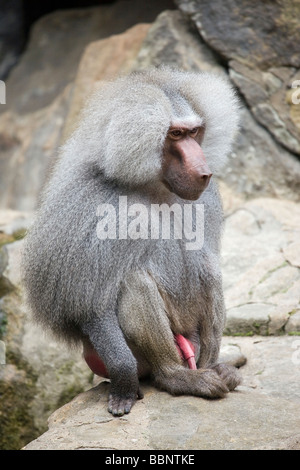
(69, 54)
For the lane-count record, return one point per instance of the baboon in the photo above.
(137, 303)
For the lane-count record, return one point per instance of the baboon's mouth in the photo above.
(187, 194)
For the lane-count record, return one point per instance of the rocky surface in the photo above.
(102, 60)
(39, 91)
(39, 374)
(258, 165)
(237, 29)
(272, 96)
(11, 35)
(261, 266)
(173, 39)
(137, 49)
(41, 115)
(263, 413)
(259, 41)
(57, 42)
(260, 190)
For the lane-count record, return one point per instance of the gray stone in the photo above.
(270, 118)
(11, 35)
(3, 259)
(249, 418)
(101, 61)
(15, 222)
(13, 268)
(292, 253)
(249, 30)
(27, 143)
(232, 354)
(270, 102)
(274, 282)
(260, 247)
(259, 43)
(258, 165)
(57, 41)
(40, 373)
(2, 353)
(279, 318)
(173, 40)
(260, 239)
(248, 319)
(293, 323)
(16, 390)
(39, 90)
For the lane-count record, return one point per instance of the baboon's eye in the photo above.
(194, 131)
(176, 133)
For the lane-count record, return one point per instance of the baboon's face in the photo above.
(184, 170)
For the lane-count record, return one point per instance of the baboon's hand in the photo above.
(229, 375)
(120, 405)
(210, 384)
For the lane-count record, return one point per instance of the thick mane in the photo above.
(134, 113)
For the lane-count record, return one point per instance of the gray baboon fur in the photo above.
(133, 295)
